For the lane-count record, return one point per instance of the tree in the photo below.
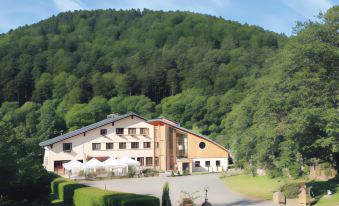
(43, 88)
(138, 104)
(166, 200)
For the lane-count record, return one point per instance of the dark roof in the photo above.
(87, 128)
(189, 131)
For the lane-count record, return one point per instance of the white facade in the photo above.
(210, 164)
(82, 147)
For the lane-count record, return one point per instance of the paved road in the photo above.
(218, 194)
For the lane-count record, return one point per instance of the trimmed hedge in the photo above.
(66, 191)
(54, 186)
(90, 196)
(74, 194)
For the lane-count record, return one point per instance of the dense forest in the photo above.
(271, 99)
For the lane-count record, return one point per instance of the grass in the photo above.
(260, 187)
(263, 188)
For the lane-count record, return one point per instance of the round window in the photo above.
(202, 145)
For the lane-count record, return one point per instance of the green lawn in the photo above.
(257, 187)
(263, 188)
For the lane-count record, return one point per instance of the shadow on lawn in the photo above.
(241, 203)
(319, 188)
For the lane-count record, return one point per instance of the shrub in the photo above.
(131, 171)
(291, 190)
(90, 196)
(72, 193)
(54, 186)
(185, 173)
(150, 172)
(66, 191)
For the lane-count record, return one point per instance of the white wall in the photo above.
(82, 145)
(213, 167)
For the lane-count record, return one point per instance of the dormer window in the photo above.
(103, 131)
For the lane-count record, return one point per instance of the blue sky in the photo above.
(276, 15)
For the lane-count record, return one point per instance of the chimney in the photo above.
(112, 116)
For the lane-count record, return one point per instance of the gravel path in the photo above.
(218, 194)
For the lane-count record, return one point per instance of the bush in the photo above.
(90, 196)
(141, 201)
(131, 171)
(150, 172)
(54, 186)
(66, 191)
(74, 194)
(291, 190)
(185, 173)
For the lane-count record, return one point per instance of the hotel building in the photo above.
(158, 143)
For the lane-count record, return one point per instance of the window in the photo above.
(157, 144)
(122, 145)
(144, 131)
(202, 145)
(149, 161)
(141, 160)
(109, 145)
(156, 161)
(132, 131)
(67, 147)
(147, 144)
(197, 164)
(134, 145)
(217, 163)
(103, 131)
(119, 131)
(207, 163)
(96, 146)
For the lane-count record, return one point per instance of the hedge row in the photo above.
(74, 194)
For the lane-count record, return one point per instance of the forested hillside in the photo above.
(272, 100)
(73, 69)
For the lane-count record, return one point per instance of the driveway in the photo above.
(218, 194)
